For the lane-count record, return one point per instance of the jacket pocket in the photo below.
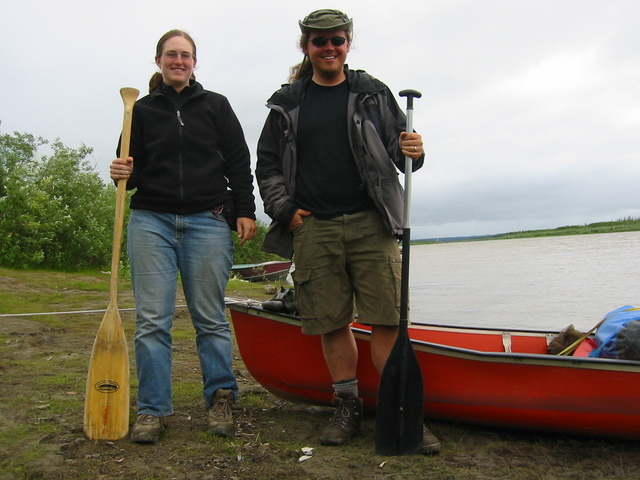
(230, 214)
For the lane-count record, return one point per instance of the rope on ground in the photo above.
(227, 301)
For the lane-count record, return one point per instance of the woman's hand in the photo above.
(121, 169)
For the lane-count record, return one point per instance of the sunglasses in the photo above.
(322, 41)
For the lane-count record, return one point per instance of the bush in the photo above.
(55, 211)
(251, 252)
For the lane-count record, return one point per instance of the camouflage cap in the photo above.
(325, 19)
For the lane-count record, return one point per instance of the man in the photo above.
(327, 169)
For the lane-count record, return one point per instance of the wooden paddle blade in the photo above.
(400, 411)
(106, 412)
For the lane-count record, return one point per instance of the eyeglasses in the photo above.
(322, 41)
(183, 55)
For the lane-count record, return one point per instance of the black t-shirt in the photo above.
(327, 179)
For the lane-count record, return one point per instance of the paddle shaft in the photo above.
(406, 225)
(129, 96)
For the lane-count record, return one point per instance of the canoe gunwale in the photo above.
(254, 308)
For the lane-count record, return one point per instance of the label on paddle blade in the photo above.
(107, 386)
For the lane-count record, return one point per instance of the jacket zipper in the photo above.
(180, 158)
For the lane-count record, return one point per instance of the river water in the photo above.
(539, 283)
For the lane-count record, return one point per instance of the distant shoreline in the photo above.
(617, 226)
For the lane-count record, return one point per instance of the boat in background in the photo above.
(502, 378)
(257, 272)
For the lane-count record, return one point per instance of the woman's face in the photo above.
(176, 62)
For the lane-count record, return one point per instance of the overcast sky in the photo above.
(530, 110)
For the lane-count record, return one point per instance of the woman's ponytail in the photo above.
(155, 81)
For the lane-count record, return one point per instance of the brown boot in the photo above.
(430, 443)
(345, 421)
(147, 429)
(220, 415)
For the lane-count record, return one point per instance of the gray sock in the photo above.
(346, 386)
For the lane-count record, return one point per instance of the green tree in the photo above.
(251, 252)
(55, 211)
(17, 207)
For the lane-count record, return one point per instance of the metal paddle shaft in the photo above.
(400, 410)
(106, 409)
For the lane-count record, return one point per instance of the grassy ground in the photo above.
(626, 225)
(623, 225)
(43, 365)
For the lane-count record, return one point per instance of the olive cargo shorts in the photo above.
(347, 258)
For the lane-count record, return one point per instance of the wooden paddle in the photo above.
(400, 412)
(106, 408)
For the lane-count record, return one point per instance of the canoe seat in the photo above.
(506, 341)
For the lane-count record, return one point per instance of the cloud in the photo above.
(530, 110)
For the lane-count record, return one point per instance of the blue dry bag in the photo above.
(619, 335)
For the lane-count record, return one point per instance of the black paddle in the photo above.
(400, 412)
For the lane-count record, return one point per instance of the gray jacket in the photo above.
(375, 125)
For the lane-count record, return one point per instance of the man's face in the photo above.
(326, 57)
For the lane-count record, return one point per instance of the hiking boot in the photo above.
(276, 304)
(430, 443)
(345, 421)
(290, 306)
(147, 429)
(283, 302)
(220, 416)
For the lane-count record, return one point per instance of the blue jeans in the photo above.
(199, 248)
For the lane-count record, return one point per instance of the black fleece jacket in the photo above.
(189, 153)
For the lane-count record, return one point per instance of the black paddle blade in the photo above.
(400, 412)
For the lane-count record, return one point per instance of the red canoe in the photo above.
(469, 375)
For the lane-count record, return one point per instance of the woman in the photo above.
(190, 166)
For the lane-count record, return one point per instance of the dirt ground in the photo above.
(41, 434)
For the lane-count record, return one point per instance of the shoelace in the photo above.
(148, 419)
(343, 413)
(221, 409)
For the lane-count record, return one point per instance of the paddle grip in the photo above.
(410, 94)
(408, 162)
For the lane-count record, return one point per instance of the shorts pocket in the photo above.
(395, 266)
(304, 293)
(305, 221)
